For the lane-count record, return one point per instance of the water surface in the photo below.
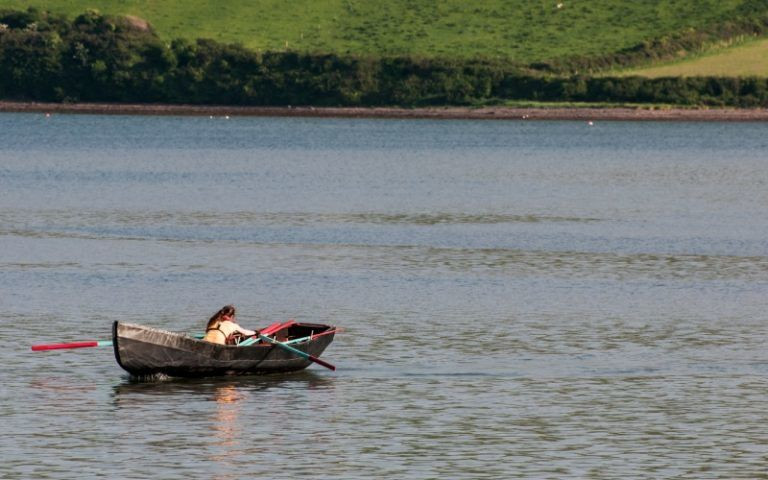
(520, 299)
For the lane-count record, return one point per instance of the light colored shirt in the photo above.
(224, 330)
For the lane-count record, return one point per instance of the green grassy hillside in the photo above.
(743, 60)
(522, 31)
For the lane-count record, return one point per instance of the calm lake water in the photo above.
(520, 299)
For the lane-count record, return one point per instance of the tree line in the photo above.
(101, 58)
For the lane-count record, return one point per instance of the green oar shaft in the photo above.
(295, 351)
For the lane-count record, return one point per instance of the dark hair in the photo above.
(225, 310)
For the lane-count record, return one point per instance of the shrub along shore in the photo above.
(102, 59)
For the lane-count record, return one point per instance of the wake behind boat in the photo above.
(285, 347)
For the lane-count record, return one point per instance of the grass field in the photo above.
(750, 59)
(519, 30)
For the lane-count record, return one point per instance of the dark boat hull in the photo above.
(143, 351)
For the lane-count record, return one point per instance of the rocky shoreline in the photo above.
(486, 113)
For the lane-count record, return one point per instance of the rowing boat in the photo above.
(142, 351)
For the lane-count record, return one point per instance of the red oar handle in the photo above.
(56, 346)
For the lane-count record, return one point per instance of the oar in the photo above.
(312, 337)
(275, 327)
(94, 343)
(250, 341)
(288, 348)
(57, 346)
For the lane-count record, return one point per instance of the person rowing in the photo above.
(223, 329)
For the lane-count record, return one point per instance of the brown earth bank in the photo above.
(488, 113)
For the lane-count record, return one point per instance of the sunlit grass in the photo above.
(750, 59)
(519, 30)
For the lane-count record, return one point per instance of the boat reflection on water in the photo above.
(138, 391)
(227, 424)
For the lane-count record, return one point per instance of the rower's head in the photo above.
(227, 313)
